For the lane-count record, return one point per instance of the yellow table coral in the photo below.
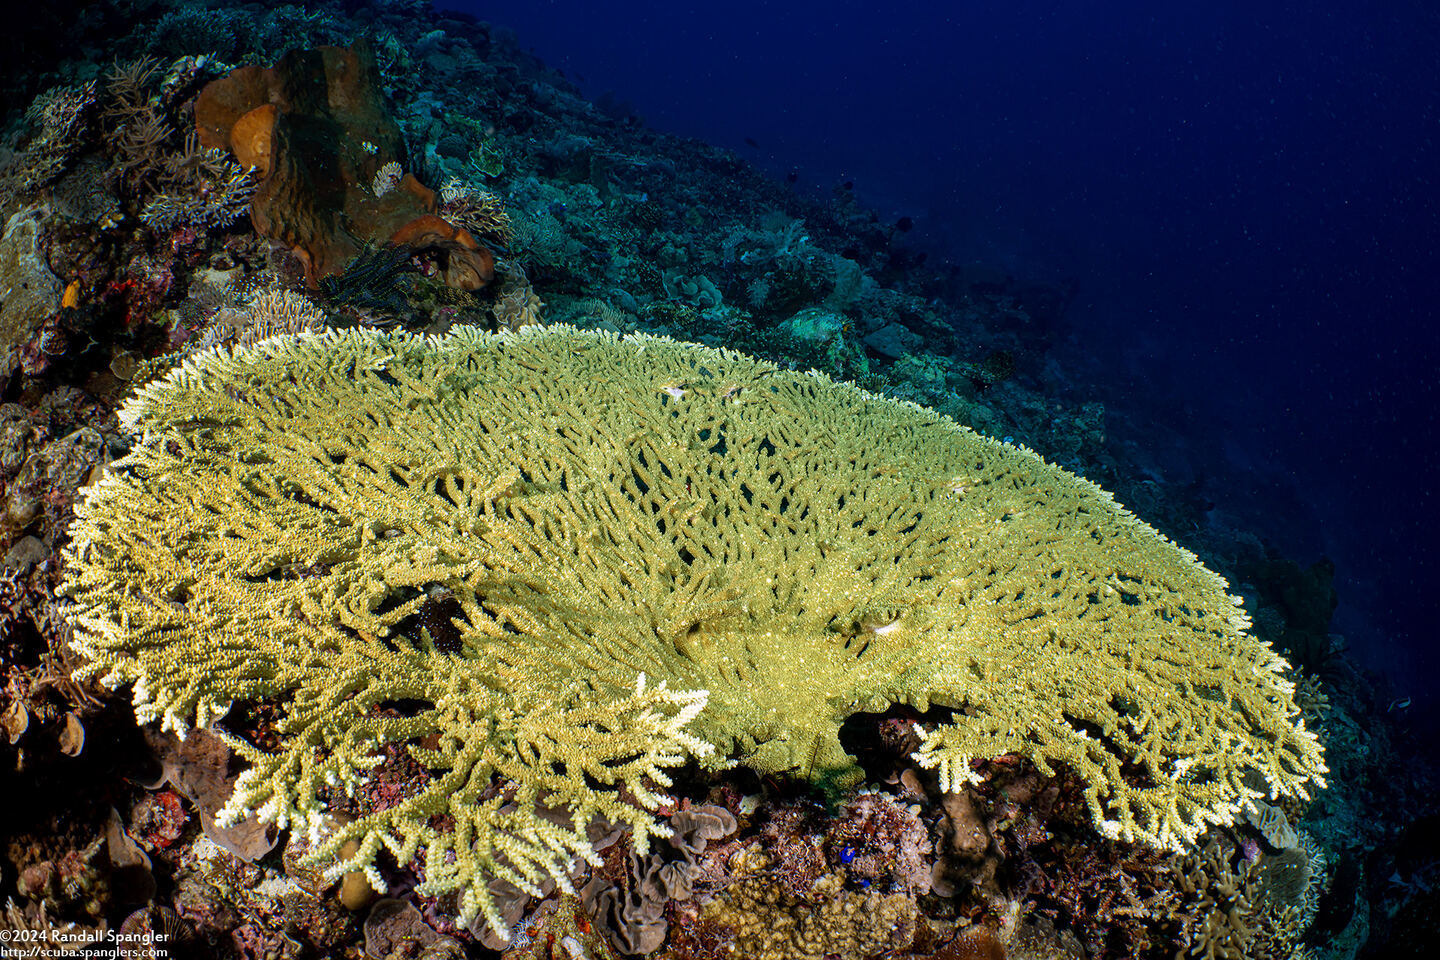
(648, 551)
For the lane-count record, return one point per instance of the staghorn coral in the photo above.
(603, 510)
(136, 126)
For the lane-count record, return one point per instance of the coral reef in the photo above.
(188, 187)
(478, 211)
(200, 767)
(124, 251)
(64, 114)
(394, 928)
(268, 312)
(632, 912)
(516, 303)
(769, 922)
(32, 293)
(882, 842)
(181, 185)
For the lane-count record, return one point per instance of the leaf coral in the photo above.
(774, 551)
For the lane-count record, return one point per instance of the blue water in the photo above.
(1244, 195)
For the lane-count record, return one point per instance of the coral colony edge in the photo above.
(441, 517)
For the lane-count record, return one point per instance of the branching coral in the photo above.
(136, 125)
(201, 188)
(63, 115)
(268, 312)
(785, 550)
(1240, 912)
(476, 210)
(174, 184)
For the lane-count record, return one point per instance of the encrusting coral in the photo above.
(652, 551)
(771, 923)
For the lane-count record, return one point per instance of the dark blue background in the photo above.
(1245, 194)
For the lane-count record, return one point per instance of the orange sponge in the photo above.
(252, 138)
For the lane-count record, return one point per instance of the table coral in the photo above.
(657, 551)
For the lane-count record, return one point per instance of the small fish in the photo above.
(1399, 704)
